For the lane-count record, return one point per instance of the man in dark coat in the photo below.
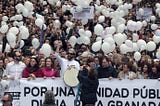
(89, 85)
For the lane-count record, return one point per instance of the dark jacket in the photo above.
(88, 87)
(106, 72)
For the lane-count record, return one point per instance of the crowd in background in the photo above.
(112, 65)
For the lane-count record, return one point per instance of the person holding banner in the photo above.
(88, 85)
(15, 68)
(48, 70)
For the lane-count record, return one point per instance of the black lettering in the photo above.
(119, 103)
(27, 90)
(152, 94)
(152, 104)
(108, 92)
(111, 103)
(61, 91)
(127, 104)
(143, 104)
(43, 90)
(134, 104)
(116, 93)
(135, 92)
(125, 93)
(35, 103)
(144, 92)
(99, 103)
(35, 91)
(63, 103)
(71, 92)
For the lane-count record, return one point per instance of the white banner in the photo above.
(139, 92)
(86, 13)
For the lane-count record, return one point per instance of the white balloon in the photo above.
(84, 21)
(25, 12)
(141, 11)
(14, 30)
(135, 47)
(73, 40)
(58, 4)
(156, 39)
(5, 18)
(46, 49)
(144, 23)
(129, 43)
(153, 18)
(121, 28)
(141, 43)
(98, 29)
(4, 29)
(8, 48)
(123, 48)
(151, 46)
(119, 38)
(11, 37)
(110, 40)
(35, 43)
(29, 6)
(86, 40)
(21, 43)
(98, 39)
(39, 22)
(24, 32)
(101, 18)
(88, 33)
(154, 26)
(137, 56)
(106, 47)
(96, 46)
(81, 32)
(12, 44)
(135, 37)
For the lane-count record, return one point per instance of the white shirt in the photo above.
(15, 69)
(65, 64)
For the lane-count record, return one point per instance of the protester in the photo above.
(15, 68)
(105, 70)
(32, 70)
(48, 70)
(88, 85)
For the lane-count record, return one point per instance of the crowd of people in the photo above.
(28, 61)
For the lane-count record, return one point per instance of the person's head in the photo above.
(127, 67)
(7, 99)
(33, 62)
(71, 54)
(91, 62)
(17, 56)
(48, 62)
(104, 62)
(49, 97)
